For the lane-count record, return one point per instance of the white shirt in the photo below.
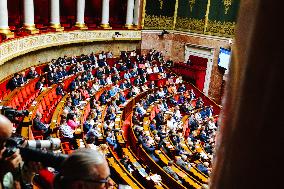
(156, 69)
(108, 80)
(149, 70)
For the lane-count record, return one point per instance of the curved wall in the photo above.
(45, 55)
(19, 46)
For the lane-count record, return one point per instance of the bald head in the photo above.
(6, 127)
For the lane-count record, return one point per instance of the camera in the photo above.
(12, 113)
(32, 151)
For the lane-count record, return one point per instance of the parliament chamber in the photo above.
(158, 87)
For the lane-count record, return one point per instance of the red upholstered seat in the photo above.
(44, 179)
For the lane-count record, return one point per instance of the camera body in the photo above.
(12, 144)
(12, 113)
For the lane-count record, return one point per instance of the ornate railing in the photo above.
(19, 46)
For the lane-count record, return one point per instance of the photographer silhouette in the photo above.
(7, 164)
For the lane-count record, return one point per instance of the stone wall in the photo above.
(173, 45)
(45, 55)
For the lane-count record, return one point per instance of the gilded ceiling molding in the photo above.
(20, 46)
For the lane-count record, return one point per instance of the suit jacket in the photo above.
(14, 83)
(38, 125)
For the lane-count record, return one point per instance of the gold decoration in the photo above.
(161, 4)
(12, 48)
(143, 13)
(158, 22)
(175, 14)
(31, 28)
(129, 26)
(7, 33)
(190, 24)
(105, 26)
(227, 4)
(57, 27)
(191, 4)
(207, 15)
(81, 26)
(225, 29)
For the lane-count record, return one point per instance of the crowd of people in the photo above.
(126, 78)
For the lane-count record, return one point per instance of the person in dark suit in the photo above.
(131, 93)
(181, 88)
(14, 82)
(73, 85)
(103, 98)
(128, 84)
(32, 73)
(123, 67)
(159, 119)
(22, 79)
(73, 60)
(39, 126)
(137, 81)
(150, 149)
(199, 103)
(121, 98)
(169, 62)
(143, 78)
(122, 85)
(152, 85)
(161, 69)
(59, 89)
(39, 85)
(102, 81)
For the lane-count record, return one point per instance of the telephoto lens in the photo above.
(52, 143)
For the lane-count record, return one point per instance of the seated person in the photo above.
(22, 79)
(59, 89)
(38, 125)
(32, 73)
(125, 161)
(150, 149)
(93, 134)
(72, 121)
(204, 168)
(14, 83)
(182, 162)
(67, 132)
(168, 169)
(111, 140)
(40, 84)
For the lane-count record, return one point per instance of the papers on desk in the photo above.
(121, 186)
(156, 178)
(136, 164)
(142, 172)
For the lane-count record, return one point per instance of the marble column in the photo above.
(55, 16)
(136, 12)
(29, 24)
(129, 14)
(105, 15)
(4, 27)
(80, 23)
